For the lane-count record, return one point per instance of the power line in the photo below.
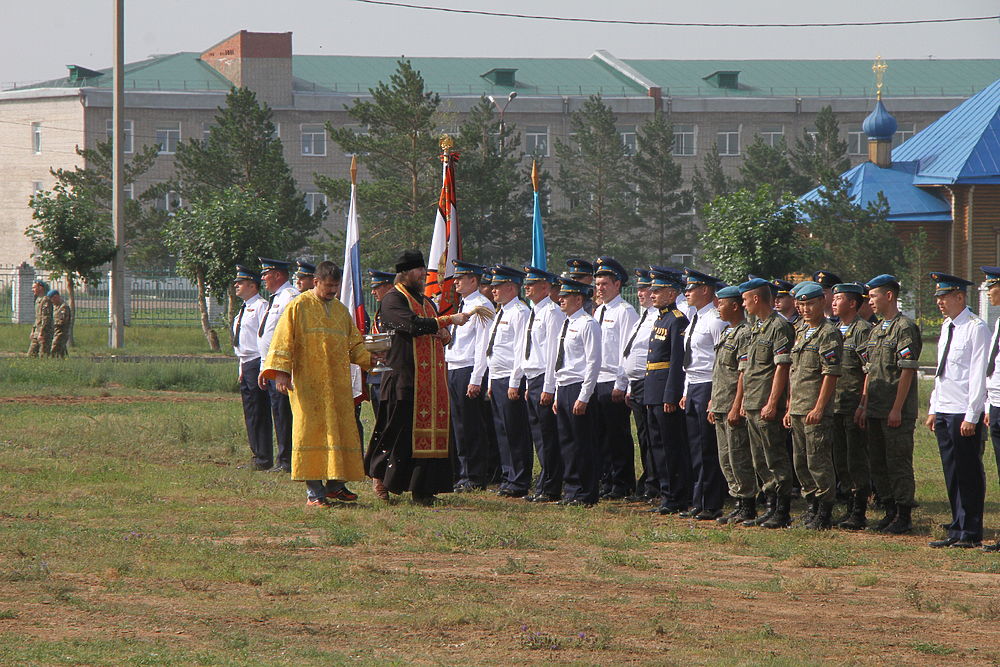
(674, 24)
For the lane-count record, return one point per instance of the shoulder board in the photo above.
(676, 312)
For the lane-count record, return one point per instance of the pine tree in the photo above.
(920, 256)
(822, 156)
(398, 149)
(664, 207)
(595, 175)
(708, 184)
(769, 165)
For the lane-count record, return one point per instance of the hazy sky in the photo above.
(39, 44)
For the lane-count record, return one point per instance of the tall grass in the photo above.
(90, 339)
(48, 376)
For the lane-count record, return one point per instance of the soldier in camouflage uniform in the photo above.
(41, 331)
(63, 320)
(888, 406)
(816, 357)
(731, 431)
(850, 443)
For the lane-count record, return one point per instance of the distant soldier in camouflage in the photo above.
(41, 331)
(63, 318)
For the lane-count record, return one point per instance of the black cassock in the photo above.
(390, 451)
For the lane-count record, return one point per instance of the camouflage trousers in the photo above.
(735, 458)
(812, 453)
(770, 457)
(850, 455)
(890, 453)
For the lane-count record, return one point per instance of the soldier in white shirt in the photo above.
(256, 405)
(509, 417)
(614, 433)
(634, 352)
(531, 360)
(574, 361)
(275, 276)
(956, 410)
(993, 376)
(469, 416)
(700, 338)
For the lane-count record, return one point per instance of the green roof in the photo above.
(576, 76)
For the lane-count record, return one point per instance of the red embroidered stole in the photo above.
(430, 389)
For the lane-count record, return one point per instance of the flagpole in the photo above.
(538, 254)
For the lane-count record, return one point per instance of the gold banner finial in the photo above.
(446, 143)
(534, 174)
(354, 170)
(879, 67)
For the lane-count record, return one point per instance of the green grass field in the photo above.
(90, 339)
(131, 536)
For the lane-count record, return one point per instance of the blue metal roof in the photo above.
(963, 146)
(906, 201)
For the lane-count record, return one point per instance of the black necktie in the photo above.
(944, 357)
(263, 322)
(600, 320)
(239, 322)
(993, 355)
(454, 327)
(687, 341)
(493, 334)
(628, 346)
(531, 325)
(560, 358)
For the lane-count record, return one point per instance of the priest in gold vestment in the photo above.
(314, 344)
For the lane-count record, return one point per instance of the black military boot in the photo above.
(857, 520)
(729, 517)
(823, 519)
(748, 511)
(849, 510)
(901, 524)
(772, 504)
(807, 516)
(890, 516)
(781, 517)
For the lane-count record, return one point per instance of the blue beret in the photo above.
(304, 268)
(946, 283)
(695, 278)
(579, 267)
(379, 278)
(272, 265)
(569, 286)
(752, 284)
(849, 288)
(607, 265)
(505, 274)
(808, 290)
(52, 292)
(39, 281)
(826, 279)
(535, 275)
(730, 292)
(881, 280)
(467, 268)
(246, 273)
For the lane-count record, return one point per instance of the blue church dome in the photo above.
(880, 124)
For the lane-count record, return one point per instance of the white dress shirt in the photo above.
(703, 336)
(581, 341)
(993, 381)
(466, 339)
(635, 362)
(510, 320)
(279, 301)
(962, 388)
(245, 329)
(541, 331)
(616, 319)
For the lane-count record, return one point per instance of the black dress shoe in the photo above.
(941, 544)
(992, 548)
(613, 495)
(708, 515)
(967, 544)
(576, 502)
(690, 513)
(542, 498)
(669, 509)
(511, 493)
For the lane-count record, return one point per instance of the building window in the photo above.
(36, 187)
(728, 140)
(206, 132)
(168, 203)
(315, 201)
(627, 133)
(168, 135)
(536, 140)
(903, 132)
(36, 138)
(127, 131)
(857, 143)
(360, 131)
(313, 140)
(811, 132)
(772, 135)
(684, 139)
(129, 191)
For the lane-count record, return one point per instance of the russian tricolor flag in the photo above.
(350, 288)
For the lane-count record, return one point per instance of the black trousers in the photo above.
(708, 488)
(577, 446)
(256, 414)
(671, 455)
(995, 434)
(513, 436)
(962, 460)
(614, 437)
(648, 483)
(281, 414)
(374, 390)
(545, 434)
(469, 426)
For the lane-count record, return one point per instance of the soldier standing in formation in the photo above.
(256, 403)
(634, 362)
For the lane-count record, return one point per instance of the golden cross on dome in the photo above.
(879, 67)
(446, 143)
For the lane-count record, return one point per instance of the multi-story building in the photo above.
(174, 97)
